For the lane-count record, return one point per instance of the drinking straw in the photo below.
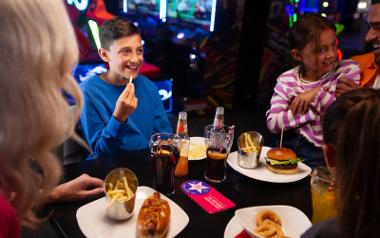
(282, 132)
(130, 79)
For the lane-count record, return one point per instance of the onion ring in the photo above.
(267, 215)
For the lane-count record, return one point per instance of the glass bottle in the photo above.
(181, 130)
(182, 168)
(219, 118)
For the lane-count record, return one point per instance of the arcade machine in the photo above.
(206, 66)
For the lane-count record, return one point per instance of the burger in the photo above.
(282, 160)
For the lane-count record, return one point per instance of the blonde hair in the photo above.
(38, 50)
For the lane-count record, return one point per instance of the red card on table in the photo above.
(206, 196)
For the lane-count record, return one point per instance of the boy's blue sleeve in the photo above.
(110, 138)
(161, 121)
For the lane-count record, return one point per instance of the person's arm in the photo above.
(322, 100)
(349, 80)
(302, 102)
(112, 137)
(109, 139)
(161, 121)
(280, 116)
(82, 187)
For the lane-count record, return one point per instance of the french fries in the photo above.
(196, 150)
(120, 192)
(248, 145)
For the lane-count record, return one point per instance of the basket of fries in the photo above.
(120, 186)
(249, 149)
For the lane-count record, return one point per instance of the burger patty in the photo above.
(281, 166)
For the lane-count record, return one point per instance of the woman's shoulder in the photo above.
(8, 218)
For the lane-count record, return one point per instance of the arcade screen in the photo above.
(194, 11)
(144, 6)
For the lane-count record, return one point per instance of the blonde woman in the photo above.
(37, 50)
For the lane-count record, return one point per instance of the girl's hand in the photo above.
(301, 103)
(344, 85)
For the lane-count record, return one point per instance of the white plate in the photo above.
(94, 223)
(198, 147)
(233, 228)
(263, 174)
(293, 221)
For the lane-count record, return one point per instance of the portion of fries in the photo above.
(120, 192)
(196, 150)
(248, 146)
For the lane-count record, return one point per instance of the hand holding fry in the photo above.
(126, 103)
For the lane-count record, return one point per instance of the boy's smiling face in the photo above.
(125, 56)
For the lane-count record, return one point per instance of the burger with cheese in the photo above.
(282, 160)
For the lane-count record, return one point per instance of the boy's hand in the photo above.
(344, 85)
(126, 103)
(301, 103)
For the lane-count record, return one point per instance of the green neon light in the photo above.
(294, 17)
(339, 28)
(95, 32)
(290, 21)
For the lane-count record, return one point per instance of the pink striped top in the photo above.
(289, 85)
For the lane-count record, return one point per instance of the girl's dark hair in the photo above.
(115, 29)
(352, 126)
(308, 28)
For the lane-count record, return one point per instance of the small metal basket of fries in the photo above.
(249, 149)
(120, 186)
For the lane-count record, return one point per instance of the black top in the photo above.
(325, 229)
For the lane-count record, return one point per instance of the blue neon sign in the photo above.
(80, 4)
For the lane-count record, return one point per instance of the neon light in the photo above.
(212, 23)
(163, 9)
(95, 32)
(339, 28)
(294, 17)
(125, 6)
(80, 4)
(180, 35)
(325, 4)
(362, 5)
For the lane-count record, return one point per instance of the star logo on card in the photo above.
(195, 187)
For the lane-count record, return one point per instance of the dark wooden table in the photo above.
(243, 191)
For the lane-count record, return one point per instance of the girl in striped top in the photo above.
(303, 93)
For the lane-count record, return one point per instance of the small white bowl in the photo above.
(293, 221)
